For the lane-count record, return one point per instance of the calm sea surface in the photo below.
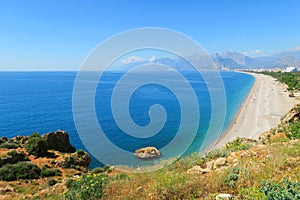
(42, 102)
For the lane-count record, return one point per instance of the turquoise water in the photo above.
(42, 102)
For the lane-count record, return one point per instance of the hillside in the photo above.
(243, 169)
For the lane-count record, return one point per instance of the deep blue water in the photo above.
(42, 102)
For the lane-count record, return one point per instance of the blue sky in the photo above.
(58, 35)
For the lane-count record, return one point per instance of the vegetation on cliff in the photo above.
(245, 169)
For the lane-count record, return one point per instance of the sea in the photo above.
(43, 102)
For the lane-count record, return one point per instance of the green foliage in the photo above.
(292, 79)
(97, 170)
(170, 186)
(9, 145)
(36, 146)
(47, 172)
(121, 177)
(35, 134)
(80, 152)
(294, 131)
(21, 170)
(233, 175)
(90, 186)
(51, 182)
(217, 153)
(284, 190)
(251, 194)
(237, 145)
(13, 157)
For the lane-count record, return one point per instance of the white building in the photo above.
(291, 69)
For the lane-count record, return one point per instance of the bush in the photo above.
(237, 145)
(9, 145)
(121, 177)
(217, 153)
(21, 170)
(283, 190)
(51, 182)
(97, 170)
(294, 131)
(36, 134)
(233, 175)
(13, 157)
(86, 187)
(80, 152)
(7, 173)
(36, 146)
(251, 194)
(27, 170)
(46, 172)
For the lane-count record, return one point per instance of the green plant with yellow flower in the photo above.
(87, 186)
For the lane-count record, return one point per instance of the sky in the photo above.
(59, 35)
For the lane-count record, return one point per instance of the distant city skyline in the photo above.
(59, 35)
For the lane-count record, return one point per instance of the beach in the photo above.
(267, 102)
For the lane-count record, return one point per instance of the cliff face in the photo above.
(59, 141)
(48, 151)
(237, 170)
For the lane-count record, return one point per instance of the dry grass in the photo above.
(276, 161)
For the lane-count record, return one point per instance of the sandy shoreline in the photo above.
(263, 108)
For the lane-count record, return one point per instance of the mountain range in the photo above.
(228, 60)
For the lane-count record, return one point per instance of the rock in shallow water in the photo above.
(147, 153)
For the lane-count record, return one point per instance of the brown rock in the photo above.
(198, 170)
(59, 141)
(219, 163)
(147, 152)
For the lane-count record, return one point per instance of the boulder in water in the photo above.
(147, 152)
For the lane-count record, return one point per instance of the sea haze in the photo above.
(42, 102)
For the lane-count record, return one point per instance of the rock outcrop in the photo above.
(147, 153)
(59, 141)
(293, 115)
(217, 164)
(79, 159)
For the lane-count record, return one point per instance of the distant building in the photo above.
(291, 69)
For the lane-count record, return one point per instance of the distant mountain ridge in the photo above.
(229, 60)
(234, 60)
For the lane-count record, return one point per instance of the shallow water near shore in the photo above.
(42, 102)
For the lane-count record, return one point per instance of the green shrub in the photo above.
(26, 170)
(217, 153)
(36, 146)
(106, 167)
(121, 177)
(36, 134)
(13, 157)
(80, 152)
(51, 182)
(234, 174)
(9, 145)
(251, 194)
(285, 190)
(86, 187)
(97, 170)
(46, 172)
(7, 173)
(237, 145)
(294, 131)
(21, 170)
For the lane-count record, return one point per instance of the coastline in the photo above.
(262, 109)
